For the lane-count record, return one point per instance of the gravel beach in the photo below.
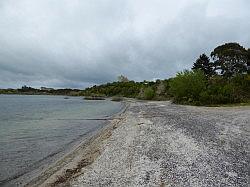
(162, 144)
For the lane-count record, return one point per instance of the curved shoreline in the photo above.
(159, 144)
(163, 144)
(83, 154)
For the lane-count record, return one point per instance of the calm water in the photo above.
(35, 129)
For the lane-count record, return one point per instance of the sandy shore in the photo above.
(162, 144)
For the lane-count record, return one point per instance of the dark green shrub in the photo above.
(188, 85)
(148, 93)
(222, 90)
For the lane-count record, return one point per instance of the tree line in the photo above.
(221, 78)
(27, 90)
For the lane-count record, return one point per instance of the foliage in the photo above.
(26, 90)
(223, 91)
(148, 93)
(222, 79)
(217, 90)
(230, 83)
(203, 63)
(188, 85)
(125, 89)
(8, 91)
(132, 89)
(230, 59)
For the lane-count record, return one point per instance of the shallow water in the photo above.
(34, 129)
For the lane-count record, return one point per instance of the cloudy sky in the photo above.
(77, 43)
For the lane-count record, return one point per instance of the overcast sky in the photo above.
(77, 43)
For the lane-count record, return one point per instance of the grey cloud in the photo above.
(80, 43)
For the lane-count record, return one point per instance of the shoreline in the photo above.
(163, 144)
(83, 154)
(158, 143)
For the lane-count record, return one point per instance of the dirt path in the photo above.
(161, 144)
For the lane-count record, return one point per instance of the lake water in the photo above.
(34, 130)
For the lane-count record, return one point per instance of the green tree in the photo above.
(203, 63)
(230, 59)
(188, 85)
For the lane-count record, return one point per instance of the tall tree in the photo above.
(203, 63)
(230, 59)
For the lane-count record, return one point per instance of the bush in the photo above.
(148, 93)
(226, 91)
(187, 86)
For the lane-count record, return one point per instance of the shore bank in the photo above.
(78, 156)
(162, 144)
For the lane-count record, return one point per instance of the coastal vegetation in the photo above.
(221, 78)
(26, 90)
